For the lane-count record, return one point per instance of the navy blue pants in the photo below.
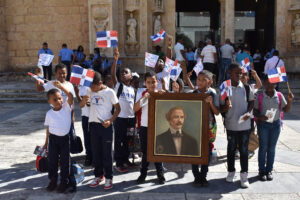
(235, 138)
(87, 136)
(204, 168)
(47, 71)
(68, 64)
(101, 139)
(59, 150)
(121, 139)
(145, 164)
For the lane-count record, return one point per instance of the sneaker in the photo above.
(250, 154)
(62, 187)
(141, 179)
(88, 161)
(262, 176)
(244, 180)
(51, 187)
(230, 177)
(96, 181)
(269, 176)
(122, 169)
(108, 184)
(128, 164)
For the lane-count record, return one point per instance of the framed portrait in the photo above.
(178, 128)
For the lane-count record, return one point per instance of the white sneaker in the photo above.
(230, 177)
(108, 184)
(244, 180)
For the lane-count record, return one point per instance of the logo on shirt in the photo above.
(97, 100)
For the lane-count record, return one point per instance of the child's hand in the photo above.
(247, 116)
(57, 84)
(170, 40)
(45, 146)
(38, 71)
(209, 99)
(146, 95)
(228, 104)
(189, 74)
(290, 97)
(86, 98)
(161, 91)
(253, 73)
(175, 87)
(116, 53)
(263, 118)
(106, 124)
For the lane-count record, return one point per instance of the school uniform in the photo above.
(125, 120)
(49, 85)
(238, 133)
(46, 69)
(59, 123)
(143, 136)
(79, 57)
(66, 58)
(101, 138)
(268, 132)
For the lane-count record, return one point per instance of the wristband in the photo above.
(169, 47)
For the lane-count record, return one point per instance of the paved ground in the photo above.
(21, 129)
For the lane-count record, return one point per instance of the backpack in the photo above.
(260, 100)
(41, 164)
(120, 89)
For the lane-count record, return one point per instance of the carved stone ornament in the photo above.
(295, 34)
(100, 19)
(158, 6)
(132, 5)
(157, 24)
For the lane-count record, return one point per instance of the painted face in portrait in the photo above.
(176, 119)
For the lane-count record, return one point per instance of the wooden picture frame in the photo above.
(194, 116)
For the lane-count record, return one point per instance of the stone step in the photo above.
(23, 100)
(21, 95)
(18, 90)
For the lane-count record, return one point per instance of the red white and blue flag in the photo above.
(107, 39)
(246, 65)
(277, 75)
(225, 89)
(81, 76)
(38, 78)
(175, 72)
(150, 59)
(159, 36)
(169, 64)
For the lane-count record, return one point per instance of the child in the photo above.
(268, 131)
(102, 100)
(204, 81)
(58, 122)
(240, 104)
(142, 104)
(126, 119)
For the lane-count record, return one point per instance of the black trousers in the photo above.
(47, 71)
(87, 136)
(121, 139)
(145, 164)
(59, 150)
(204, 168)
(68, 64)
(101, 139)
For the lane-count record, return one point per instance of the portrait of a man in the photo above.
(175, 141)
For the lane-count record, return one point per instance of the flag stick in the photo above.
(288, 85)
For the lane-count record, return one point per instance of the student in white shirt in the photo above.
(209, 56)
(142, 104)
(126, 119)
(58, 122)
(273, 62)
(181, 57)
(102, 99)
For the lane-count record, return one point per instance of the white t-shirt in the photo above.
(144, 108)
(84, 91)
(101, 104)
(163, 75)
(48, 86)
(177, 48)
(59, 122)
(126, 101)
(227, 51)
(208, 53)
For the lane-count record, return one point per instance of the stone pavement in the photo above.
(21, 129)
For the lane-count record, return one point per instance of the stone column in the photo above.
(227, 19)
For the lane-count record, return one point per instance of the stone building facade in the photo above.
(26, 24)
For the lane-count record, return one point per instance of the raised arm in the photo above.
(114, 66)
(38, 86)
(170, 42)
(139, 103)
(256, 78)
(67, 92)
(289, 103)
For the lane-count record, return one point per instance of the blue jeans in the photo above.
(224, 69)
(240, 138)
(268, 134)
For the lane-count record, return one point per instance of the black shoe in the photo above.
(62, 187)
(269, 176)
(161, 178)
(141, 179)
(204, 182)
(197, 182)
(88, 161)
(262, 176)
(51, 187)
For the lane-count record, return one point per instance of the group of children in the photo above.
(113, 106)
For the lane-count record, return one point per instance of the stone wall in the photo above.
(3, 38)
(29, 23)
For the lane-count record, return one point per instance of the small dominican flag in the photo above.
(246, 65)
(175, 72)
(81, 76)
(198, 67)
(225, 89)
(150, 59)
(107, 39)
(277, 75)
(169, 64)
(38, 78)
(159, 36)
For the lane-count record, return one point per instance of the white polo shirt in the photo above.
(126, 101)
(177, 48)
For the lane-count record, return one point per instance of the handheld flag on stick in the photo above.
(81, 76)
(159, 36)
(107, 39)
(246, 65)
(198, 67)
(175, 72)
(45, 59)
(169, 64)
(225, 89)
(38, 78)
(277, 75)
(150, 59)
